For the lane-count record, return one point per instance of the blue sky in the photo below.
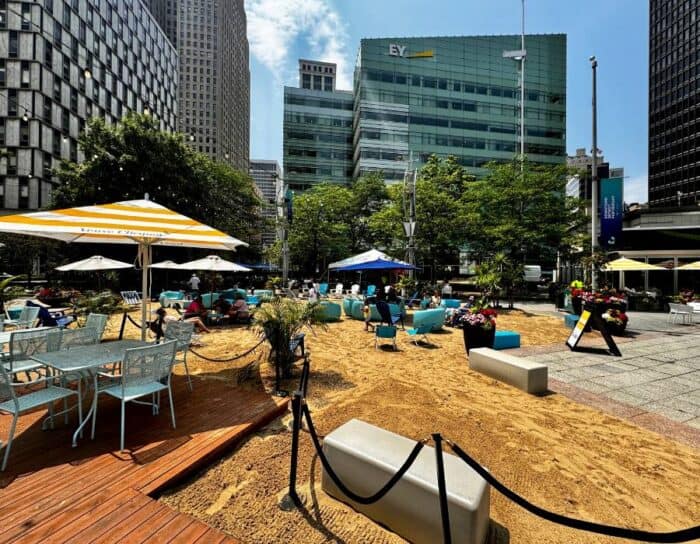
(615, 31)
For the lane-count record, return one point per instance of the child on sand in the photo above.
(367, 313)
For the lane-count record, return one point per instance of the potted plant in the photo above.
(615, 321)
(479, 327)
(274, 284)
(279, 321)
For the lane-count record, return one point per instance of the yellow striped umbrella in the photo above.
(628, 265)
(690, 266)
(140, 222)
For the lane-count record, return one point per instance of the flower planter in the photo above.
(616, 329)
(577, 305)
(478, 337)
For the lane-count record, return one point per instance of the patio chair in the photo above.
(385, 313)
(27, 318)
(15, 405)
(371, 290)
(682, 311)
(131, 298)
(354, 289)
(323, 290)
(387, 332)
(422, 331)
(145, 371)
(24, 344)
(182, 332)
(97, 322)
(338, 290)
(74, 338)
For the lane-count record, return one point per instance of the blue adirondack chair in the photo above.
(422, 331)
(323, 290)
(371, 290)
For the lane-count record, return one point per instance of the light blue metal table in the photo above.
(87, 359)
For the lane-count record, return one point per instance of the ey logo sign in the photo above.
(396, 50)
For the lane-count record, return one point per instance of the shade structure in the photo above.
(96, 262)
(166, 265)
(140, 222)
(628, 265)
(370, 260)
(213, 263)
(690, 266)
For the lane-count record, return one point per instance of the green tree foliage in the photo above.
(134, 157)
(521, 212)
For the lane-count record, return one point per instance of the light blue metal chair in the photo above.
(181, 332)
(24, 344)
(145, 371)
(386, 332)
(98, 322)
(422, 331)
(26, 319)
(15, 405)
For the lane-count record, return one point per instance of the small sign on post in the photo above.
(594, 317)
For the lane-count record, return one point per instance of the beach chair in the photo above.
(371, 290)
(422, 331)
(14, 405)
(386, 316)
(387, 332)
(338, 290)
(355, 289)
(131, 298)
(182, 332)
(145, 371)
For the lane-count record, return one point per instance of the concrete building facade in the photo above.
(214, 86)
(674, 103)
(267, 176)
(63, 62)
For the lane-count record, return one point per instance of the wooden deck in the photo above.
(51, 492)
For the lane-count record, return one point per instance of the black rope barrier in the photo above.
(442, 490)
(239, 356)
(683, 535)
(338, 482)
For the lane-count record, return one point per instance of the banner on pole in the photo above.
(611, 202)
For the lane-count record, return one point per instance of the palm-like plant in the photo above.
(280, 320)
(3, 285)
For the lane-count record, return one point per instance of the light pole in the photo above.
(519, 55)
(594, 173)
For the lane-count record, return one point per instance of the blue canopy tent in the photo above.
(369, 260)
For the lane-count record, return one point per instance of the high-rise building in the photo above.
(674, 102)
(63, 62)
(317, 128)
(579, 185)
(414, 97)
(214, 88)
(457, 96)
(268, 179)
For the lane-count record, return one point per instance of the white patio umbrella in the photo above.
(96, 262)
(140, 222)
(166, 265)
(213, 263)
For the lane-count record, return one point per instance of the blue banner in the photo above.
(611, 202)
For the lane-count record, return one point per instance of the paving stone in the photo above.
(591, 386)
(673, 369)
(650, 391)
(694, 422)
(644, 362)
(670, 413)
(626, 398)
(627, 379)
(682, 405)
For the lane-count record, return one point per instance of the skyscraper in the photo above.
(65, 62)
(674, 102)
(268, 179)
(214, 86)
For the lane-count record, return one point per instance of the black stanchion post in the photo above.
(296, 426)
(442, 489)
(121, 329)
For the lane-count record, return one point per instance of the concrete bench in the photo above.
(570, 320)
(506, 340)
(364, 457)
(516, 371)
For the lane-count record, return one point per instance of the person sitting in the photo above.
(196, 309)
(163, 317)
(221, 306)
(239, 310)
(425, 301)
(435, 300)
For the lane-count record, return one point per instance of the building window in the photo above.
(24, 134)
(13, 51)
(56, 143)
(2, 131)
(3, 14)
(26, 17)
(48, 55)
(48, 106)
(11, 162)
(3, 73)
(12, 103)
(24, 77)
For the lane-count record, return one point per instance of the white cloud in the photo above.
(636, 189)
(275, 25)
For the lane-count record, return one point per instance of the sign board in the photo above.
(599, 323)
(397, 50)
(611, 203)
(577, 331)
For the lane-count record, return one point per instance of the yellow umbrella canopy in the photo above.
(690, 266)
(628, 265)
(140, 222)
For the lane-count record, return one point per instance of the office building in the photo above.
(214, 88)
(317, 128)
(674, 103)
(459, 96)
(63, 62)
(268, 179)
(579, 185)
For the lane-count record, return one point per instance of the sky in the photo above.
(615, 31)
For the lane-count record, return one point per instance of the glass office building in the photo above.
(457, 96)
(317, 129)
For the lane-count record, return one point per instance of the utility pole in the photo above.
(594, 174)
(522, 89)
(409, 212)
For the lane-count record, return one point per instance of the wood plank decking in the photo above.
(51, 492)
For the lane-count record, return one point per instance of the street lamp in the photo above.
(519, 55)
(594, 172)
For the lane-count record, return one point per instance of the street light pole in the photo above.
(522, 89)
(594, 173)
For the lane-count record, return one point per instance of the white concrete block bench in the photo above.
(516, 371)
(365, 457)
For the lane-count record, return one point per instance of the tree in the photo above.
(134, 157)
(521, 212)
(319, 233)
(368, 195)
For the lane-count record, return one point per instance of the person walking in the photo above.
(193, 283)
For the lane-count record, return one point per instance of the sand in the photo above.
(561, 455)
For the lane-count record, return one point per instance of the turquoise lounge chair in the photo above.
(422, 331)
(387, 332)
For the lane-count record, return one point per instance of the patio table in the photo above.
(87, 359)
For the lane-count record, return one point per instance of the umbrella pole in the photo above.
(145, 263)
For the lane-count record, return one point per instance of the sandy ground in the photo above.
(563, 456)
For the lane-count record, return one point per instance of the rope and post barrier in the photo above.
(442, 490)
